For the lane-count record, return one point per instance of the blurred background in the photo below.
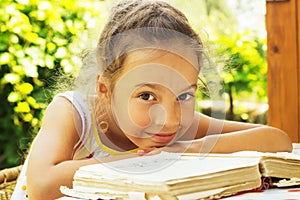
(41, 39)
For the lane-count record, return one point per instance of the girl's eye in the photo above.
(146, 96)
(184, 97)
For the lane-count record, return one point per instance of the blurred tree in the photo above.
(245, 71)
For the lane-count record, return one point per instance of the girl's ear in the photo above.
(102, 88)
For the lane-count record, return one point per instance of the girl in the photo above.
(134, 94)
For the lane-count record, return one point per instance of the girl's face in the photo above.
(154, 97)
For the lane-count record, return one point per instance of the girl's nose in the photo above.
(166, 117)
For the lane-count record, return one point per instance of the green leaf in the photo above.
(25, 88)
(14, 97)
(11, 78)
(22, 107)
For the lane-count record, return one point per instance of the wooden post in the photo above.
(283, 34)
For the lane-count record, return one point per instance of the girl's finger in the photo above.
(147, 151)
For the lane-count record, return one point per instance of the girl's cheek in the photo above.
(187, 117)
(139, 116)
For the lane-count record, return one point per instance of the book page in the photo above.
(166, 166)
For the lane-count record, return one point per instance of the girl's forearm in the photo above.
(263, 139)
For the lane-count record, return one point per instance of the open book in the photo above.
(184, 176)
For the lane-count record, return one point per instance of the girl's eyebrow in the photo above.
(194, 86)
(154, 86)
(150, 85)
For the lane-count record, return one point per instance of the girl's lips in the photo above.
(163, 137)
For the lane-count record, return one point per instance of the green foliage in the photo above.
(245, 71)
(38, 39)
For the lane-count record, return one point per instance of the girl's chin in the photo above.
(154, 140)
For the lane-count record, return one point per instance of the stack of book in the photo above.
(184, 176)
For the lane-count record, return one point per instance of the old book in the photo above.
(183, 176)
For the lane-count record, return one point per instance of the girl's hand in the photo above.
(148, 151)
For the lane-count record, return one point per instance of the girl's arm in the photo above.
(50, 163)
(209, 136)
